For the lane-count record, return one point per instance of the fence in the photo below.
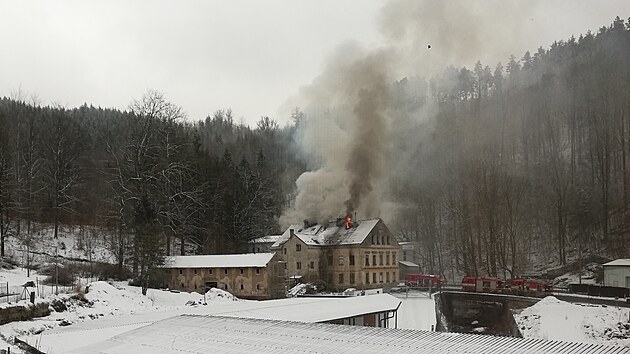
(16, 292)
(599, 290)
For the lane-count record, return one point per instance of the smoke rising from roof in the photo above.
(355, 137)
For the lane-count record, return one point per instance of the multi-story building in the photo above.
(361, 254)
(249, 276)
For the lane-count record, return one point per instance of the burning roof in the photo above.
(333, 233)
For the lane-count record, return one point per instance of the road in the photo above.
(417, 311)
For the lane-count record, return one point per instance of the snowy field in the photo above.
(558, 320)
(104, 305)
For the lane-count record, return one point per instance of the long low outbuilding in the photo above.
(248, 276)
(203, 334)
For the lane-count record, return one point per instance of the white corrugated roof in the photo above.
(618, 262)
(219, 260)
(320, 235)
(303, 309)
(202, 334)
(319, 309)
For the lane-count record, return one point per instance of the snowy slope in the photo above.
(558, 320)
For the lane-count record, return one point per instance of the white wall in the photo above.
(617, 276)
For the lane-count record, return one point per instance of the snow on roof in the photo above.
(219, 260)
(266, 239)
(319, 309)
(408, 264)
(618, 262)
(320, 235)
(196, 334)
(303, 309)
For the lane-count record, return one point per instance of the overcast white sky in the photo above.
(206, 55)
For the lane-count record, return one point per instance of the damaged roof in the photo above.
(331, 234)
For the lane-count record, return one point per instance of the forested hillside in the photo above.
(514, 165)
(147, 173)
(526, 163)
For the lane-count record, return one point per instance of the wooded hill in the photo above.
(519, 165)
(527, 164)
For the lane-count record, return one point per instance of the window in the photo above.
(388, 239)
(311, 265)
(373, 259)
(372, 239)
(224, 270)
(380, 277)
(340, 260)
(380, 258)
(351, 278)
(180, 271)
(298, 265)
(195, 271)
(257, 270)
(225, 286)
(330, 259)
(367, 278)
(285, 265)
(367, 260)
(182, 285)
(378, 240)
(387, 259)
(394, 258)
(374, 278)
(241, 270)
(195, 286)
(351, 260)
(387, 275)
(209, 270)
(341, 278)
(298, 248)
(394, 275)
(284, 250)
(257, 286)
(241, 286)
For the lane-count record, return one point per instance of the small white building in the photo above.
(617, 273)
(262, 244)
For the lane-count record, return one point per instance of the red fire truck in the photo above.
(424, 281)
(526, 286)
(482, 284)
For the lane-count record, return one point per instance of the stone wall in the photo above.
(478, 313)
(23, 312)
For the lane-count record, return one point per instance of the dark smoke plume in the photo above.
(355, 139)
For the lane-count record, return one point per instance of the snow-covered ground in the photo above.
(589, 274)
(73, 242)
(417, 311)
(103, 302)
(558, 320)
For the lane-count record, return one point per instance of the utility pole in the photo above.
(56, 271)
